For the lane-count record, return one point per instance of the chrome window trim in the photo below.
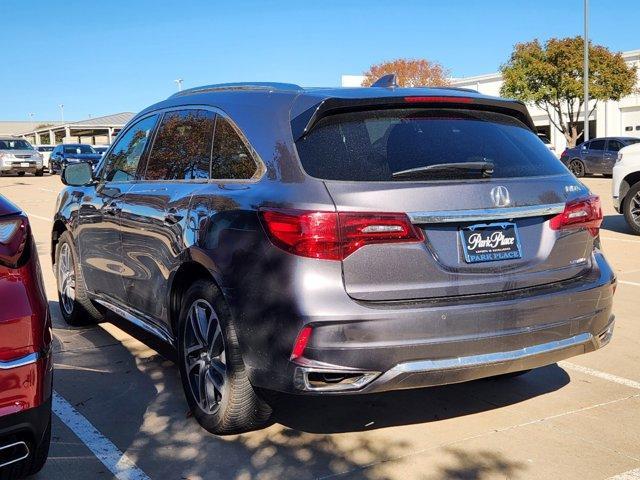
(20, 362)
(448, 216)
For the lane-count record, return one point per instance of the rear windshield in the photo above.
(15, 145)
(375, 145)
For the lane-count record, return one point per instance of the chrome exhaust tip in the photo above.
(13, 453)
(319, 377)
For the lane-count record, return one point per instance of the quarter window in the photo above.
(122, 162)
(182, 147)
(614, 145)
(231, 158)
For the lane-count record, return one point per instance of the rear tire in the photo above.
(214, 377)
(39, 173)
(33, 463)
(631, 208)
(577, 168)
(75, 305)
(21, 174)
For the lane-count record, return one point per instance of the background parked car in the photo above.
(45, 151)
(25, 350)
(18, 156)
(595, 156)
(101, 148)
(547, 142)
(626, 185)
(72, 153)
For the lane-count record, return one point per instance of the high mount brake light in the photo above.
(438, 99)
(580, 213)
(335, 235)
(13, 238)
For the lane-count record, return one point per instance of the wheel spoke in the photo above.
(216, 346)
(219, 367)
(202, 385)
(215, 382)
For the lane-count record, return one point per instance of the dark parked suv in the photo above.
(334, 241)
(595, 156)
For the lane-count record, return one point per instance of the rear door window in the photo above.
(373, 145)
(614, 145)
(182, 147)
(596, 145)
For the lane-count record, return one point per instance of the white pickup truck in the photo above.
(626, 185)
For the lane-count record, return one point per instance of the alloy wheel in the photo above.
(204, 356)
(634, 208)
(66, 279)
(577, 168)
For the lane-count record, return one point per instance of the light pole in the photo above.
(178, 82)
(31, 115)
(585, 67)
(62, 112)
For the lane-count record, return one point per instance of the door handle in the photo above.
(112, 209)
(172, 217)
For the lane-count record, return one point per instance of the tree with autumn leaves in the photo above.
(550, 76)
(410, 73)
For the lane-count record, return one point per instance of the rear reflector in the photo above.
(335, 235)
(581, 213)
(301, 343)
(438, 99)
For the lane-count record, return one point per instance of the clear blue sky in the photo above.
(100, 57)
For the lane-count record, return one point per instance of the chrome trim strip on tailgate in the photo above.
(447, 216)
(20, 362)
(471, 361)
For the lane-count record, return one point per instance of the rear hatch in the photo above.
(478, 185)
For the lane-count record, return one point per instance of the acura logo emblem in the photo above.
(500, 196)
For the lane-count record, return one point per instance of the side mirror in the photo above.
(77, 174)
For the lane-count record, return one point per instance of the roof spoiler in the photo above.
(304, 122)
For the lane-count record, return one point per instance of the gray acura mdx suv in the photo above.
(334, 241)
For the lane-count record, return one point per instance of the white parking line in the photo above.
(620, 239)
(604, 375)
(32, 215)
(625, 282)
(112, 458)
(630, 475)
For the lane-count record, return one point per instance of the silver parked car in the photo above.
(334, 241)
(18, 156)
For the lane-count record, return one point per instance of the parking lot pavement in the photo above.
(125, 415)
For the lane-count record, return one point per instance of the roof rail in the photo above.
(239, 86)
(386, 81)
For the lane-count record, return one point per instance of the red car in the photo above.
(26, 366)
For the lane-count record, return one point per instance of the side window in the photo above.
(122, 162)
(182, 147)
(614, 145)
(231, 158)
(596, 145)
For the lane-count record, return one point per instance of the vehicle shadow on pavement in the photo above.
(616, 223)
(137, 402)
(405, 407)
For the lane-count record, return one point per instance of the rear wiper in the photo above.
(486, 168)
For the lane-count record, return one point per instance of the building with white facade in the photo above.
(608, 119)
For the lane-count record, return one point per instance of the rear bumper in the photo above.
(27, 426)
(14, 169)
(396, 346)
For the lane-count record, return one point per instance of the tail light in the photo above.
(565, 152)
(13, 239)
(335, 235)
(581, 213)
